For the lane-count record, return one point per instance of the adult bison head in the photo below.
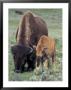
(20, 53)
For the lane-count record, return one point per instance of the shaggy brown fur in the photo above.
(45, 50)
(30, 29)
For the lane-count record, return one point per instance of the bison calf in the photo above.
(44, 51)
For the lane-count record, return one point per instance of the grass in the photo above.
(53, 19)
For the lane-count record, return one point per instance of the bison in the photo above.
(30, 29)
(44, 51)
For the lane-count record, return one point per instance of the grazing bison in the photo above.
(30, 29)
(44, 51)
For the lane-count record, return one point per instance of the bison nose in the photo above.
(18, 71)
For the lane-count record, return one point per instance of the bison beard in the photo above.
(30, 29)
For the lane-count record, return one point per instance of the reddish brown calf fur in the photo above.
(46, 48)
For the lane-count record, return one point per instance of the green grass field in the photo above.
(53, 18)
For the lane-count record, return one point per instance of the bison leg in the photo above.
(23, 67)
(45, 64)
(53, 58)
(29, 68)
(38, 65)
(31, 62)
(38, 60)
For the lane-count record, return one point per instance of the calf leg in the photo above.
(45, 64)
(38, 64)
(53, 58)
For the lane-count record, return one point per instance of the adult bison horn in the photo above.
(31, 50)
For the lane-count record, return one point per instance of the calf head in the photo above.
(20, 53)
